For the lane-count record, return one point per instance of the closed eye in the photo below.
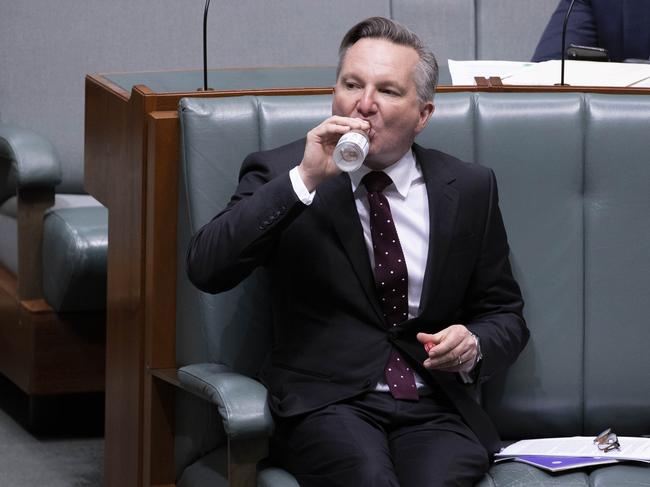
(389, 92)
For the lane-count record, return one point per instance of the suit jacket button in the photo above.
(367, 383)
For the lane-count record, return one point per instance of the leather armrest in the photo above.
(241, 401)
(270, 477)
(26, 159)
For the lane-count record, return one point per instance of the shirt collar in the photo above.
(402, 173)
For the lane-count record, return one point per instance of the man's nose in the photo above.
(367, 105)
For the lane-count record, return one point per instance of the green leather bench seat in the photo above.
(75, 245)
(45, 350)
(573, 173)
(74, 268)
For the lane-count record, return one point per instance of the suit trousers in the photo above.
(375, 440)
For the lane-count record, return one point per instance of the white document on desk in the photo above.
(463, 72)
(632, 448)
(642, 84)
(580, 73)
(548, 73)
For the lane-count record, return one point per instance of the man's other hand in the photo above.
(453, 349)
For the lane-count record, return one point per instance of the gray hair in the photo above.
(426, 70)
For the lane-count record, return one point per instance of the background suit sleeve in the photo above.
(581, 30)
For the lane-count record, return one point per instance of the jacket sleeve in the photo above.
(493, 304)
(581, 30)
(242, 236)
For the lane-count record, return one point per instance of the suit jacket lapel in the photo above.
(443, 207)
(339, 201)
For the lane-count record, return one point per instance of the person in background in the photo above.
(392, 291)
(620, 26)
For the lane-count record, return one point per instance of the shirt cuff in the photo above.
(299, 187)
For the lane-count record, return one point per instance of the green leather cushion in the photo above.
(75, 244)
(534, 144)
(514, 474)
(617, 265)
(9, 224)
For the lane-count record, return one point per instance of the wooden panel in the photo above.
(243, 456)
(43, 352)
(167, 375)
(108, 86)
(160, 249)
(8, 283)
(116, 146)
(32, 203)
(105, 139)
(160, 294)
(68, 351)
(169, 101)
(158, 454)
(15, 343)
(36, 306)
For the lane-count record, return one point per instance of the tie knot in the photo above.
(376, 181)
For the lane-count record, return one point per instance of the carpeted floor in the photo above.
(68, 456)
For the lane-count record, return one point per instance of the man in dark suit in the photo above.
(620, 26)
(392, 290)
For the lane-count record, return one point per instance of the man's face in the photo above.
(376, 83)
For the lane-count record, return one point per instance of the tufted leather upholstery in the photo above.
(573, 172)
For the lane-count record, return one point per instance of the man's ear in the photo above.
(425, 114)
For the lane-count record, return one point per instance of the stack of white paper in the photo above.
(580, 73)
(548, 73)
(632, 448)
(463, 72)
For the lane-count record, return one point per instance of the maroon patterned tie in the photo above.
(391, 279)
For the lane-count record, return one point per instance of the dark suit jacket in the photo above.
(331, 341)
(620, 26)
